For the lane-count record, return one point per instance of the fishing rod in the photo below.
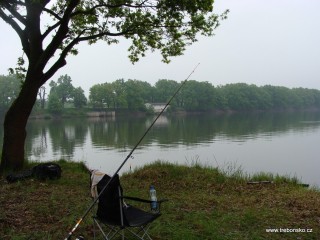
(129, 155)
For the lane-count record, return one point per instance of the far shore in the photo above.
(106, 113)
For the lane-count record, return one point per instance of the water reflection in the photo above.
(62, 136)
(124, 132)
(247, 138)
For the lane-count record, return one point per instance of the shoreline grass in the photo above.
(204, 203)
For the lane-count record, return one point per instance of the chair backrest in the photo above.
(109, 201)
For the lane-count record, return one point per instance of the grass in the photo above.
(204, 203)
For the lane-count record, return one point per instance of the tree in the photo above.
(50, 30)
(55, 106)
(63, 89)
(279, 95)
(119, 91)
(197, 96)
(79, 99)
(9, 90)
(101, 95)
(42, 96)
(137, 94)
(165, 89)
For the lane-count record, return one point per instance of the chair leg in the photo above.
(145, 232)
(94, 229)
(122, 234)
(95, 222)
(142, 233)
(113, 231)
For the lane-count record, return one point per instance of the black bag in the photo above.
(45, 171)
(14, 177)
(42, 171)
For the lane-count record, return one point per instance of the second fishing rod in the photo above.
(129, 155)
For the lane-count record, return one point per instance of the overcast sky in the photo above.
(262, 42)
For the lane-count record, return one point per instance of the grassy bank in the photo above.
(204, 204)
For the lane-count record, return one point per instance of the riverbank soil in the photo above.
(204, 203)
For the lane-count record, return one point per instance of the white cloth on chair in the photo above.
(96, 176)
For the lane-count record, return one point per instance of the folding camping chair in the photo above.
(115, 218)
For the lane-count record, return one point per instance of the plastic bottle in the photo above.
(153, 198)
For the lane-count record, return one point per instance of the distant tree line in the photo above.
(202, 96)
(134, 94)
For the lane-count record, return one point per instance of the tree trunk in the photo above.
(15, 127)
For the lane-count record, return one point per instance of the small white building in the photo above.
(156, 107)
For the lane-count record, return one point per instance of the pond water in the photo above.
(279, 143)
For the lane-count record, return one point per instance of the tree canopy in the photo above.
(203, 96)
(168, 26)
(50, 30)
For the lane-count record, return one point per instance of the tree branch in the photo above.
(99, 35)
(52, 13)
(55, 67)
(91, 10)
(61, 33)
(61, 61)
(57, 41)
(19, 31)
(14, 13)
(50, 29)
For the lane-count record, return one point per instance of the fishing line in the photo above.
(129, 155)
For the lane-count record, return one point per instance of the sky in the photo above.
(274, 42)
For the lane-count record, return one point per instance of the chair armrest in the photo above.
(143, 200)
(146, 201)
(136, 199)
